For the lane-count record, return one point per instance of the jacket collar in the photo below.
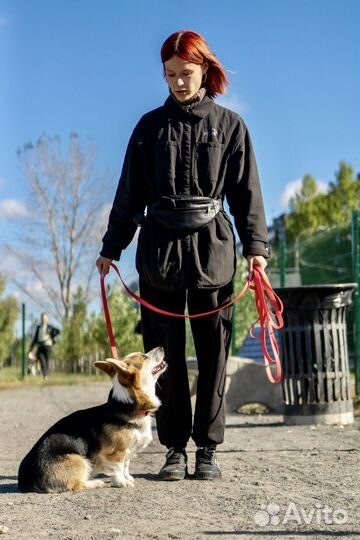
(200, 110)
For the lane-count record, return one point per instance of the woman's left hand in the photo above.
(256, 260)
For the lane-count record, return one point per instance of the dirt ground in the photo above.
(278, 481)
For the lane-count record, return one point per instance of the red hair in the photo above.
(193, 48)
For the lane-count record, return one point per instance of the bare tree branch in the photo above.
(67, 199)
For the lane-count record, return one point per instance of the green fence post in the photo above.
(23, 356)
(356, 277)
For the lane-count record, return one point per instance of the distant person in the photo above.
(183, 160)
(44, 338)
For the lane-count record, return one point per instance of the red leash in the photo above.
(264, 294)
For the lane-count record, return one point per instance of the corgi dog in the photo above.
(98, 440)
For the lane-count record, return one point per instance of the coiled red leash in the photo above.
(264, 295)
(269, 319)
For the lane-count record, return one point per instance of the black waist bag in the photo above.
(187, 213)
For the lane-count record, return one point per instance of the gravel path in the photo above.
(278, 482)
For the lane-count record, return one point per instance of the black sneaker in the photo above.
(206, 466)
(175, 467)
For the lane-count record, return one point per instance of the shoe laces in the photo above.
(175, 456)
(207, 454)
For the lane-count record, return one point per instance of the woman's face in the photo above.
(184, 78)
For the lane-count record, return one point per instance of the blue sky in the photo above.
(93, 67)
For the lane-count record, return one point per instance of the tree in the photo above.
(8, 317)
(124, 316)
(72, 344)
(60, 239)
(344, 196)
(308, 191)
(86, 336)
(311, 209)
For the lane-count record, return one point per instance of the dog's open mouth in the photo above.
(161, 366)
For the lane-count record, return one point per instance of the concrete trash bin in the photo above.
(316, 378)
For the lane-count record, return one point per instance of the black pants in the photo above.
(44, 354)
(212, 337)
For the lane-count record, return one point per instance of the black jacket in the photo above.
(53, 332)
(205, 152)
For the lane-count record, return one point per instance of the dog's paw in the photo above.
(122, 482)
(130, 479)
(93, 484)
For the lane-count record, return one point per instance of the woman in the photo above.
(44, 337)
(182, 160)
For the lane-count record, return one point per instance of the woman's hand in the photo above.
(103, 264)
(256, 260)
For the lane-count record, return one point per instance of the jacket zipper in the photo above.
(187, 239)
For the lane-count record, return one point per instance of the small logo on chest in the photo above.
(210, 135)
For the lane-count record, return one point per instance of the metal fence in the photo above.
(327, 256)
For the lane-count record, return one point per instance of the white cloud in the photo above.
(233, 102)
(323, 187)
(289, 192)
(12, 267)
(294, 187)
(13, 209)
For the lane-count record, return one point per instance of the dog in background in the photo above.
(98, 440)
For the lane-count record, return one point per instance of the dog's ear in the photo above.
(105, 367)
(125, 372)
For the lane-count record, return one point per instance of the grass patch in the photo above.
(253, 408)
(10, 377)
